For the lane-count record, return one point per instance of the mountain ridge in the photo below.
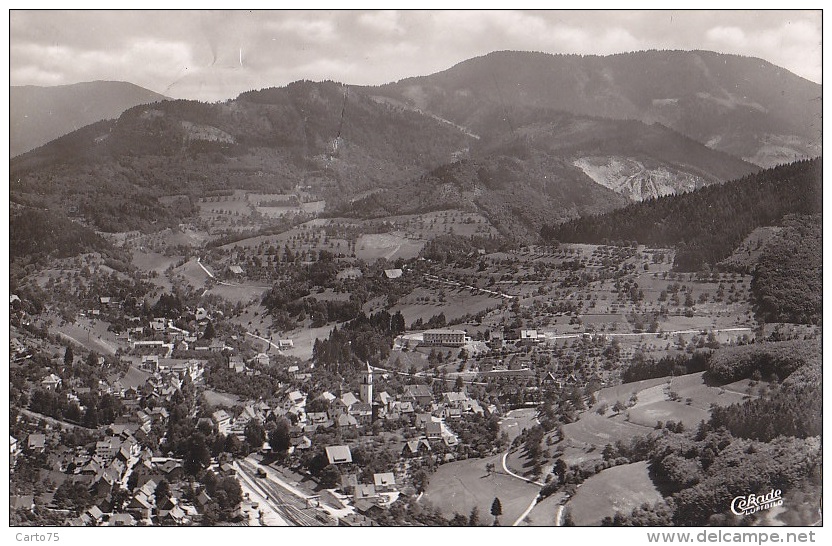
(40, 114)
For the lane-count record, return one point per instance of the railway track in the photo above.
(289, 505)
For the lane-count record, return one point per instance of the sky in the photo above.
(215, 55)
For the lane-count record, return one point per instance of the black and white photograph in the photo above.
(416, 268)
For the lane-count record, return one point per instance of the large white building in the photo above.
(451, 338)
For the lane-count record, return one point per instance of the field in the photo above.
(90, 334)
(424, 303)
(617, 489)
(386, 245)
(598, 431)
(516, 420)
(221, 399)
(544, 512)
(459, 486)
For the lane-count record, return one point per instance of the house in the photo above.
(51, 382)
(222, 419)
(216, 346)
(338, 454)
(348, 399)
(200, 314)
(420, 393)
(392, 273)
(362, 412)
(355, 520)
(346, 421)
(14, 447)
(384, 398)
(237, 363)
(121, 520)
(433, 430)
(416, 448)
(385, 482)
(349, 482)
(159, 324)
(203, 499)
(452, 413)
(302, 442)
(422, 419)
(236, 269)
(364, 491)
(549, 380)
(95, 514)
(36, 443)
(448, 338)
(454, 399)
(296, 398)
(318, 418)
(529, 336)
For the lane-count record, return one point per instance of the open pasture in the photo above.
(459, 486)
(616, 489)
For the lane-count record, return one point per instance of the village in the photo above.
(316, 434)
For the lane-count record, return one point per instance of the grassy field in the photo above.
(599, 431)
(92, 335)
(458, 303)
(516, 420)
(617, 489)
(243, 293)
(459, 486)
(221, 399)
(544, 512)
(386, 245)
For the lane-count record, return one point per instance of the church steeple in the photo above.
(367, 385)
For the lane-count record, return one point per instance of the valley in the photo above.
(413, 304)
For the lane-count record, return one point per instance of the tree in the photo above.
(255, 434)
(496, 508)
(474, 518)
(162, 492)
(209, 331)
(68, 356)
(279, 439)
(197, 456)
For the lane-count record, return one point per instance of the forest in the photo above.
(788, 279)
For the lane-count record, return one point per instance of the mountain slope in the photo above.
(552, 169)
(744, 106)
(41, 114)
(705, 225)
(320, 135)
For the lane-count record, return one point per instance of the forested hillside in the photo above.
(705, 225)
(36, 234)
(788, 279)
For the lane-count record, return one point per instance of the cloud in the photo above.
(196, 54)
(382, 22)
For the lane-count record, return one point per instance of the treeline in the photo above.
(359, 340)
(460, 250)
(788, 281)
(768, 360)
(705, 225)
(792, 410)
(648, 368)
